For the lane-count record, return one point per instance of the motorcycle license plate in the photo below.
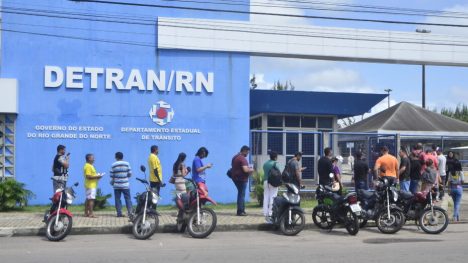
(355, 208)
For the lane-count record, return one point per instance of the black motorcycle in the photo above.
(420, 208)
(287, 212)
(335, 209)
(380, 206)
(145, 218)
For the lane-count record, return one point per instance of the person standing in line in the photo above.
(456, 180)
(386, 165)
(241, 170)
(179, 171)
(415, 173)
(325, 167)
(199, 169)
(361, 170)
(451, 161)
(154, 165)
(91, 182)
(442, 166)
(269, 191)
(428, 177)
(60, 168)
(120, 173)
(405, 170)
(296, 170)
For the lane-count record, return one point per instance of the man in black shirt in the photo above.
(415, 173)
(405, 170)
(60, 168)
(361, 170)
(325, 167)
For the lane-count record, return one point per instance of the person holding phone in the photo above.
(91, 181)
(198, 168)
(60, 168)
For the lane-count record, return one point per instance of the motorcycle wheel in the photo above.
(145, 230)
(351, 222)
(433, 223)
(63, 228)
(297, 223)
(392, 224)
(206, 225)
(322, 217)
(181, 225)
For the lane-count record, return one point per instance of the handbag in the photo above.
(336, 186)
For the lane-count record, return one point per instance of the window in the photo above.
(292, 121)
(275, 121)
(308, 162)
(292, 143)
(308, 144)
(325, 122)
(256, 143)
(275, 142)
(308, 122)
(256, 123)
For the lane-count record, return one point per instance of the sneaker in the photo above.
(242, 214)
(268, 219)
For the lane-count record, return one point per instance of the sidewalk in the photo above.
(29, 224)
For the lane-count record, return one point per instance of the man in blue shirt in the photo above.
(120, 172)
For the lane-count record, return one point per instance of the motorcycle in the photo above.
(333, 208)
(58, 218)
(380, 206)
(287, 213)
(199, 221)
(145, 218)
(420, 208)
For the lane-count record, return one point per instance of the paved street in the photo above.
(409, 245)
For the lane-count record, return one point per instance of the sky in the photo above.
(445, 86)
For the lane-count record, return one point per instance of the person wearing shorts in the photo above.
(91, 181)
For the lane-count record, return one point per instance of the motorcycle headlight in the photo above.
(70, 198)
(155, 198)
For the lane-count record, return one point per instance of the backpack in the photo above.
(286, 174)
(275, 177)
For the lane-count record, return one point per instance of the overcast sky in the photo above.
(445, 86)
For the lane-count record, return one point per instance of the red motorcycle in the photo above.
(200, 221)
(58, 219)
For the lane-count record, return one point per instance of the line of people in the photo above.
(121, 171)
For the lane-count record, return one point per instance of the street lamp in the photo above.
(423, 31)
(388, 92)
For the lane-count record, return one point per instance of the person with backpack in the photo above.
(455, 181)
(271, 181)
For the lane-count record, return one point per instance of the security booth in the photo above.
(298, 121)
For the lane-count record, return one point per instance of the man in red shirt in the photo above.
(241, 170)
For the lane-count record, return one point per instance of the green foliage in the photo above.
(460, 112)
(258, 186)
(286, 86)
(253, 82)
(13, 195)
(101, 200)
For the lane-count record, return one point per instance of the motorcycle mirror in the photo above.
(331, 175)
(189, 169)
(143, 168)
(76, 184)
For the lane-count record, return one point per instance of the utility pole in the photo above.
(423, 31)
(388, 96)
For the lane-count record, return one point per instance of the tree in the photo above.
(253, 82)
(460, 112)
(286, 86)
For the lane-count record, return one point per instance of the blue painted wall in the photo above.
(222, 116)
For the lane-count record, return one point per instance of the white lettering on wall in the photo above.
(53, 77)
(115, 78)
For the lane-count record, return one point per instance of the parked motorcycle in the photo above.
(420, 208)
(201, 221)
(287, 212)
(58, 218)
(145, 218)
(335, 209)
(380, 206)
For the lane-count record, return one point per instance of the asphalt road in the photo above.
(409, 245)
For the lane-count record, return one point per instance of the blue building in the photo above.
(90, 76)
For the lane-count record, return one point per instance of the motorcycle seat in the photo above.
(365, 194)
(406, 195)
